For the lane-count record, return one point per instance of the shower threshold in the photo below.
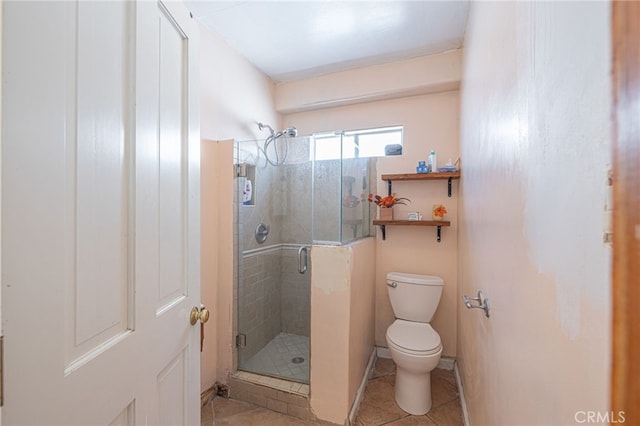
(260, 381)
(291, 398)
(286, 357)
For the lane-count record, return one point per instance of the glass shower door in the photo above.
(341, 185)
(273, 230)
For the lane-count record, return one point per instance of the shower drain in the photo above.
(297, 360)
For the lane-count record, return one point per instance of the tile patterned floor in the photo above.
(377, 408)
(276, 358)
(229, 412)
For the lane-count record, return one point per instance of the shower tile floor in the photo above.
(286, 356)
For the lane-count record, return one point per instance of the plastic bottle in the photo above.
(433, 161)
(247, 193)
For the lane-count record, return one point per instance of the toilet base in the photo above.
(413, 392)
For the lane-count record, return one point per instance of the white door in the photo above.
(100, 214)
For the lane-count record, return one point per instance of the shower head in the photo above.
(291, 132)
(271, 140)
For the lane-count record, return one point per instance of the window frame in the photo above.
(356, 134)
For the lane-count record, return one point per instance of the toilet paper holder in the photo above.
(482, 302)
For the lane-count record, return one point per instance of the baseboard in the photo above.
(383, 352)
(463, 401)
(446, 363)
(208, 395)
(363, 384)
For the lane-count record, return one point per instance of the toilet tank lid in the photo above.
(415, 278)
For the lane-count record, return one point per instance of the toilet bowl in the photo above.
(415, 349)
(414, 345)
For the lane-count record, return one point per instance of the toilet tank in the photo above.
(414, 297)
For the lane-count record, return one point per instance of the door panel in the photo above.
(167, 212)
(100, 222)
(98, 163)
(173, 139)
(126, 417)
(172, 392)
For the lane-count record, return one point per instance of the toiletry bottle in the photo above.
(247, 193)
(433, 161)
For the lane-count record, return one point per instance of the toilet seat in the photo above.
(414, 338)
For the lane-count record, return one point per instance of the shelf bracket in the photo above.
(389, 187)
(383, 228)
(449, 188)
(439, 237)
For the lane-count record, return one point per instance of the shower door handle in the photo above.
(302, 259)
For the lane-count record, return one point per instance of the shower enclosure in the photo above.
(286, 201)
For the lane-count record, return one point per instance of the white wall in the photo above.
(535, 143)
(235, 96)
(416, 76)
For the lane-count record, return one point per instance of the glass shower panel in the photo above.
(273, 297)
(355, 209)
(327, 170)
(327, 192)
(341, 183)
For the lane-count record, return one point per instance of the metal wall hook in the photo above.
(482, 303)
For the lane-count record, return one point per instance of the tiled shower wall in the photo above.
(295, 203)
(275, 297)
(259, 289)
(267, 208)
(340, 199)
(326, 181)
(295, 297)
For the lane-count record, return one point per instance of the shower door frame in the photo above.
(255, 293)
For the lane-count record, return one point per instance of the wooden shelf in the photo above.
(422, 176)
(449, 176)
(413, 222)
(437, 223)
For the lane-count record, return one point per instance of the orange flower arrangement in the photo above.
(439, 211)
(388, 201)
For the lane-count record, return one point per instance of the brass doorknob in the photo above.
(204, 315)
(198, 314)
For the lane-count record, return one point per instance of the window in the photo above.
(359, 143)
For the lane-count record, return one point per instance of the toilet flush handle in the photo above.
(392, 284)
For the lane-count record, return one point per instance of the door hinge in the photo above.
(241, 341)
(241, 170)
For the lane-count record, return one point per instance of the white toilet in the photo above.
(415, 346)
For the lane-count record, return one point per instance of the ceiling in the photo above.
(292, 40)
